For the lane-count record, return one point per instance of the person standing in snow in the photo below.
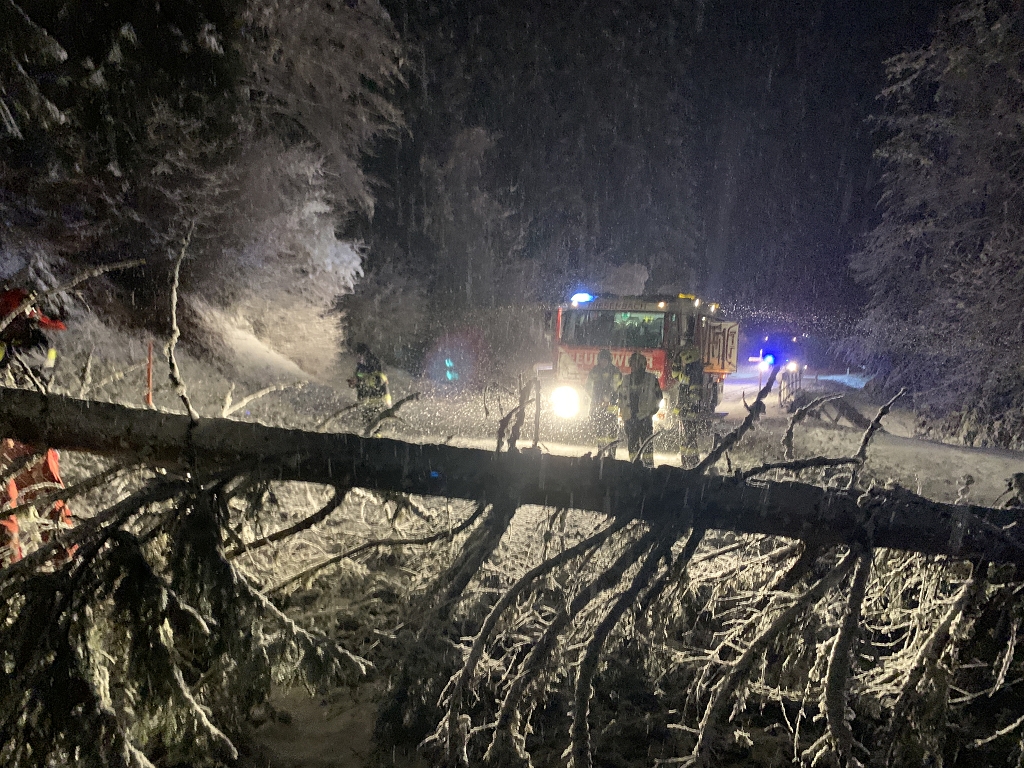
(1015, 487)
(639, 399)
(22, 335)
(688, 371)
(603, 384)
(370, 383)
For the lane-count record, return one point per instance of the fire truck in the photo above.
(656, 326)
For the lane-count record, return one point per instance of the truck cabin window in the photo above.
(605, 328)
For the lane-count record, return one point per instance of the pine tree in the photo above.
(944, 265)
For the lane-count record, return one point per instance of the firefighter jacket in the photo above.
(24, 329)
(639, 396)
(603, 384)
(691, 387)
(371, 381)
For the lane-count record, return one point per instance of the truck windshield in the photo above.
(605, 328)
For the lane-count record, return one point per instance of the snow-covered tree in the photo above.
(944, 265)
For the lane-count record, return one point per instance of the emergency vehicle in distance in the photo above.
(659, 327)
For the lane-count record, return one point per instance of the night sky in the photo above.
(726, 146)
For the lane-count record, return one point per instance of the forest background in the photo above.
(438, 166)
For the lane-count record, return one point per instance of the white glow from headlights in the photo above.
(792, 367)
(764, 365)
(566, 402)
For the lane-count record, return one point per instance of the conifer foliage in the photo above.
(148, 647)
(944, 266)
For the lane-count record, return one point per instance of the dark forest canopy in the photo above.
(943, 266)
(722, 145)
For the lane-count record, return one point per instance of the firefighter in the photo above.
(370, 383)
(1015, 487)
(639, 399)
(688, 371)
(603, 384)
(24, 335)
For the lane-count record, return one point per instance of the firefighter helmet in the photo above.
(687, 355)
(637, 362)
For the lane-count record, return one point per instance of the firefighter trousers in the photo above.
(692, 430)
(605, 426)
(638, 434)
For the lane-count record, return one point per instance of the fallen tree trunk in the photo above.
(896, 519)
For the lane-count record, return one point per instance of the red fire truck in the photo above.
(657, 326)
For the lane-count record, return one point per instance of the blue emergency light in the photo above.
(581, 298)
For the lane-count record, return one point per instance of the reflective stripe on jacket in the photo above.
(639, 396)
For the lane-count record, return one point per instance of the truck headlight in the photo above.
(565, 401)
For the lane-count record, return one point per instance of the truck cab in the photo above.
(656, 326)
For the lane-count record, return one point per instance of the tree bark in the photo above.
(898, 518)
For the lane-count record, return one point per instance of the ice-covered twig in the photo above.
(324, 422)
(716, 708)
(799, 464)
(876, 424)
(579, 731)
(754, 412)
(503, 425)
(112, 378)
(34, 298)
(608, 449)
(998, 734)
(517, 425)
(932, 649)
(643, 446)
(304, 524)
(175, 374)
(312, 639)
(801, 413)
(507, 739)
(86, 374)
(390, 413)
(111, 518)
(447, 533)
(230, 408)
(834, 695)
(456, 745)
(64, 494)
